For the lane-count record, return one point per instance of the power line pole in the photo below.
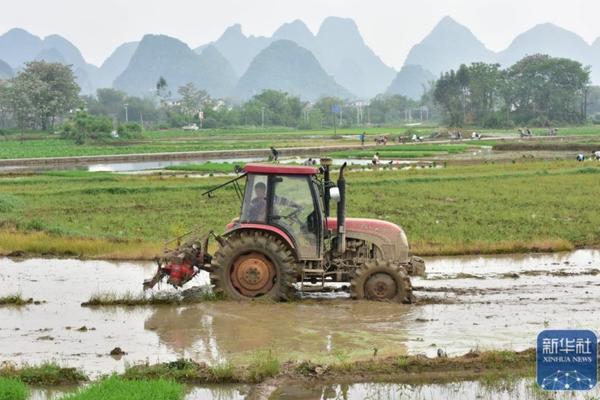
(126, 114)
(262, 111)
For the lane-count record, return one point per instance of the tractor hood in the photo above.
(389, 238)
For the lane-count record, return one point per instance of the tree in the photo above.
(448, 94)
(192, 100)
(278, 109)
(49, 89)
(385, 109)
(548, 89)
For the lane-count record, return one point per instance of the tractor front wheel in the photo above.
(253, 264)
(381, 281)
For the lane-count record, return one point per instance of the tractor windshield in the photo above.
(294, 211)
(254, 208)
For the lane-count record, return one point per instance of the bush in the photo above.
(130, 130)
(494, 121)
(85, 126)
(210, 123)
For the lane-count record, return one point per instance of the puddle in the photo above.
(149, 166)
(210, 392)
(490, 313)
(522, 389)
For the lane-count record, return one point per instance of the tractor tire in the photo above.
(381, 281)
(252, 265)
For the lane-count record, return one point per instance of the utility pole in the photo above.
(126, 114)
(141, 120)
(262, 112)
(334, 121)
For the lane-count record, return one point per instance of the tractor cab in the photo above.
(284, 200)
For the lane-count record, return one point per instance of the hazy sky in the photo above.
(389, 27)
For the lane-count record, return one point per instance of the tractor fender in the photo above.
(388, 237)
(231, 228)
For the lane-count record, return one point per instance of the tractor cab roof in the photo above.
(278, 169)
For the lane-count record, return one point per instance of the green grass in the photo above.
(129, 299)
(13, 389)
(526, 205)
(40, 144)
(46, 374)
(264, 365)
(116, 388)
(14, 300)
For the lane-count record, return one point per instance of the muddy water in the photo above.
(210, 392)
(485, 302)
(522, 389)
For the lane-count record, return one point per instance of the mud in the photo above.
(455, 313)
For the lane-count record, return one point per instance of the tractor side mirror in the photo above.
(334, 193)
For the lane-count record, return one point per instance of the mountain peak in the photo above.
(447, 46)
(295, 27)
(233, 31)
(286, 66)
(340, 29)
(449, 26)
(296, 31)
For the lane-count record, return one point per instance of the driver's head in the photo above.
(260, 189)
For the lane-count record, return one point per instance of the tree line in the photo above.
(538, 90)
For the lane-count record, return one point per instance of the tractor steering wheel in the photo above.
(294, 215)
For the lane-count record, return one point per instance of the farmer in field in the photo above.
(580, 157)
(362, 138)
(274, 154)
(375, 159)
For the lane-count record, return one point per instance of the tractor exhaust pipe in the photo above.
(341, 213)
(327, 184)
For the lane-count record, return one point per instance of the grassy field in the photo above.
(38, 145)
(12, 389)
(115, 388)
(521, 206)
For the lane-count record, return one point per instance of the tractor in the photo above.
(285, 240)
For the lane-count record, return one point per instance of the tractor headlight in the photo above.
(334, 193)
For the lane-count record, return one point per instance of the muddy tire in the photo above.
(416, 267)
(253, 265)
(381, 281)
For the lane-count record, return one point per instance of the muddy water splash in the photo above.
(494, 302)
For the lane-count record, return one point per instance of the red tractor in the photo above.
(285, 239)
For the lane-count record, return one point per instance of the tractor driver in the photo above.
(258, 205)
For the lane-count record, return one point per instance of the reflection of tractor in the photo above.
(285, 236)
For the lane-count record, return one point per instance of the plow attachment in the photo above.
(182, 263)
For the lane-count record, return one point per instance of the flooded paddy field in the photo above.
(491, 302)
(522, 389)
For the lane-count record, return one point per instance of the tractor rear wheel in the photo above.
(253, 264)
(381, 281)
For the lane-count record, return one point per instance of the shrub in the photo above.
(130, 130)
(85, 126)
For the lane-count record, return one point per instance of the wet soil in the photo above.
(491, 302)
